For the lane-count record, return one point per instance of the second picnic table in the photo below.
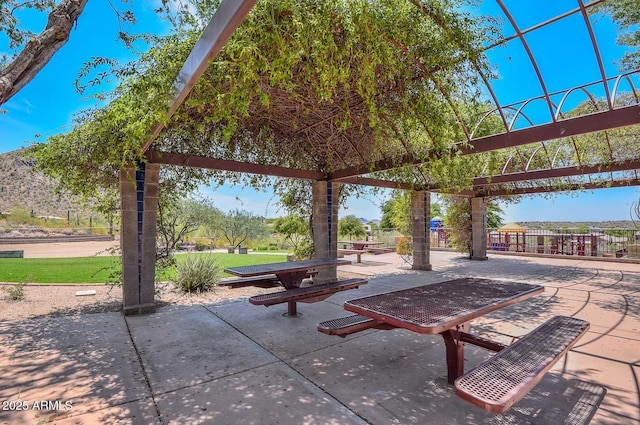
(290, 274)
(357, 247)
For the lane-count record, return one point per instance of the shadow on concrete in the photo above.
(57, 367)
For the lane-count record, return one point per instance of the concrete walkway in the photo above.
(234, 363)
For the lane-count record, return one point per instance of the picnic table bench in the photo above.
(446, 309)
(291, 274)
(381, 250)
(504, 379)
(308, 294)
(358, 253)
(348, 325)
(18, 253)
(357, 247)
(266, 281)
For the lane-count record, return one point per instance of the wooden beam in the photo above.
(364, 181)
(156, 157)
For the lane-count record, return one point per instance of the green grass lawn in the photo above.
(98, 269)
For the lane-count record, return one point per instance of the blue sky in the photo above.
(46, 106)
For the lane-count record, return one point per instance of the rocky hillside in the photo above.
(22, 187)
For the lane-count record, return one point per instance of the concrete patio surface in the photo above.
(235, 363)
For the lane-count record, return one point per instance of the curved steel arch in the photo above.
(596, 51)
(617, 84)
(532, 58)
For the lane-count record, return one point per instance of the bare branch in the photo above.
(40, 49)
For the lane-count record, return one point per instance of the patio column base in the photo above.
(139, 309)
(479, 258)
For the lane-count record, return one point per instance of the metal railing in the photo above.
(588, 242)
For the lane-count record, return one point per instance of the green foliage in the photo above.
(458, 218)
(304, 249)
(617, 233)
(404, 246)
(97, 269)
(197, 273)
(494, 219)
(400, 214)
(180, 217)
(397, 212)
(635, 213)
(58, 270)
(390, 76)
(296, 230)
(239, 226)
(20, 216)
(352, 227)
(15, 292)
(626, 13)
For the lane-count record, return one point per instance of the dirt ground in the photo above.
(56, 300)
(42, 300)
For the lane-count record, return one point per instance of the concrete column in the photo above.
(478, 229)
(420, 217)
(139, 202)
(325, 225)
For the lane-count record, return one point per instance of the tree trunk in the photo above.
(40, 49)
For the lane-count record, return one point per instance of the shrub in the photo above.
(404, 246)
(197, 273)
(16, 292)
(262, 248)
(304, 249)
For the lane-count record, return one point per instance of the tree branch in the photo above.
(40, 49)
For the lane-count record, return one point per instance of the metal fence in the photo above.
(388, 236)
(590, 242)
(618, 243)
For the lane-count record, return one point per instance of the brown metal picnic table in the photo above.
(290, 273)
(445, 308)
(361, 245)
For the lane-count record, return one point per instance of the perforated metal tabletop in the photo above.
(432, 309)
(285, 267)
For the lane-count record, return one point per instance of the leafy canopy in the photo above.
(304, 84)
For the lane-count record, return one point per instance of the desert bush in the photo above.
(304, 249)
(404, 246)
(197, 273)
(15, 292)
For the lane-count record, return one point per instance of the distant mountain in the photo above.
(367, 221)
(23, 187)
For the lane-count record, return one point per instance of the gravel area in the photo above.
(56, 300)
